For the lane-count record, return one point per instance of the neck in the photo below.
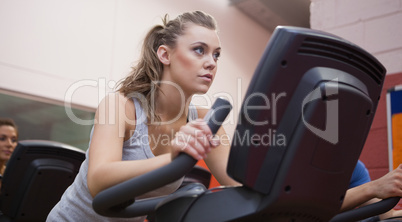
(172, 104)
(2, 167)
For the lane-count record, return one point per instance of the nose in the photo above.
(210, 64)
(10, 143)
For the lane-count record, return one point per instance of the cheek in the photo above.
(185, 61)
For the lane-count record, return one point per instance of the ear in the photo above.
(163, 54)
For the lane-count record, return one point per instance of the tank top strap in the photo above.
(192, 112)
(140, 115)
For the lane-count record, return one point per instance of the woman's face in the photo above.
(8, 141)
(193, 62)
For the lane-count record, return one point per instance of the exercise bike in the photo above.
(301, 128)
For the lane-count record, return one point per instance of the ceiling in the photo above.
(271, 13)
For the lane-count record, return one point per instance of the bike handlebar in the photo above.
(119, 200)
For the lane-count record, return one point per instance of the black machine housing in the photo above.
(36, 176)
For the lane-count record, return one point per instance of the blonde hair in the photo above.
(147, 73)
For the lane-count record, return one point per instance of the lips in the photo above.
(207, 77)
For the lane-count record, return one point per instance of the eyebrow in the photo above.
(205, 44)
(1, 135)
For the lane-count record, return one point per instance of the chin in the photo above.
(202, 91)
(199, 88)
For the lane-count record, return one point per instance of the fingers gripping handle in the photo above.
(119, 200)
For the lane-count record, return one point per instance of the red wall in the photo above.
(375, 151)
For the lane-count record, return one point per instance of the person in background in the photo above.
(360, 175)
(364, 191)
(8, 142)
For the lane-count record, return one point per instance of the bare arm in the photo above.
(115, 119)
(390, 185)
(105, 167)
(357, 196)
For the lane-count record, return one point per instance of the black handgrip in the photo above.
(366, 211)
(119, 200)
(217, 114)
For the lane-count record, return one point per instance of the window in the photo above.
(43, 119)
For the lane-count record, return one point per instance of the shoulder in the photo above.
(116, 106)
(113, 99)
(360, 175)
(361, 168)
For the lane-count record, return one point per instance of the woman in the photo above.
(8, 142)
(150, 120)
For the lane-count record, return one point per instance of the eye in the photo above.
(217, 55)
(199, 50)
(2, 138)
(14, 140)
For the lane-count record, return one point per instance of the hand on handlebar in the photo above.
(195, 138)
(390, 185)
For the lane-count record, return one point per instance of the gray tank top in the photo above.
(76, 202)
